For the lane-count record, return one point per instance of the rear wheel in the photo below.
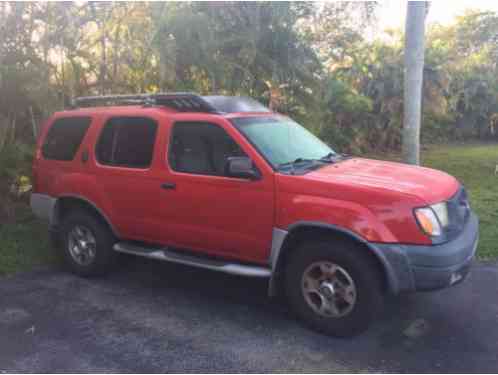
(86, 244)
(334, 287)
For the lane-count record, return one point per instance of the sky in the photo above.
(392, 12)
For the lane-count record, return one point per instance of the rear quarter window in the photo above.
(64, 138)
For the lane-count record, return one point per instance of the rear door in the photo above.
(201, 207)
(124, 158)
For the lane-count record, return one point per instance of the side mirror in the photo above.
(241, 167)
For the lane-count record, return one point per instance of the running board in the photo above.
(191, 260)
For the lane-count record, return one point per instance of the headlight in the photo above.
(441, 211)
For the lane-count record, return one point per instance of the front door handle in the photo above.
(168, 186)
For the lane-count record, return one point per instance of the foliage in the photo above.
(15, 167)
(320, 63)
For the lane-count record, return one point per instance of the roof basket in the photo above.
(180, 101)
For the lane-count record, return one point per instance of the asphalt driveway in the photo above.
(151, 317)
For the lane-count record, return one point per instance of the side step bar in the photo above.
(191, 260)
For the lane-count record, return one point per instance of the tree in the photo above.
(413, 79)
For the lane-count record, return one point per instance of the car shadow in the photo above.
(399, 320)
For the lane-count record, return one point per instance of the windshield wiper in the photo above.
(333, 157)
(296, 161)
(330, 157)
(309, 163)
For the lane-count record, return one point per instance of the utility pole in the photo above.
(413, 79)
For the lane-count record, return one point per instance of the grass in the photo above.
(25, 244)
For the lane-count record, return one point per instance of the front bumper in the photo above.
(416, 268)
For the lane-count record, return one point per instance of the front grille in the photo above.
(458, 213)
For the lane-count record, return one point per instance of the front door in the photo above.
(206, 210)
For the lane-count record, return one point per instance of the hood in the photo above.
(429, 185)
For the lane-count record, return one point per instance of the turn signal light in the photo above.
(427, 220)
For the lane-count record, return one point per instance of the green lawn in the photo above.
(25, 244)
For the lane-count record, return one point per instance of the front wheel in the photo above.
(334, 287)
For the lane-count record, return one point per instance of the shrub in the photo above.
(15, 173)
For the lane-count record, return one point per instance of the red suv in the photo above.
(225, 184)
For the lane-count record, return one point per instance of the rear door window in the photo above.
(64, 138)
(127, 142)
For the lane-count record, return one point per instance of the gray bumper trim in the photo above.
(43, 206)
(432, 267)
(278, 238)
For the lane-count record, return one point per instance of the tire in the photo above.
(338, 316)
(90, 226)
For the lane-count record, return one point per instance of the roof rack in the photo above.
(180, 101)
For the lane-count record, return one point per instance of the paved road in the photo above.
(150, 317)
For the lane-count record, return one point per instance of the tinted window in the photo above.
(127, 142)
(64, 138)
(201, 148)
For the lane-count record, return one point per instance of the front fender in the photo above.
(350, 216)
(394, 263)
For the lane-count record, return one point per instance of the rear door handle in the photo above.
(168, 186)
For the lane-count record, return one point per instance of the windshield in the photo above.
(281, 140)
